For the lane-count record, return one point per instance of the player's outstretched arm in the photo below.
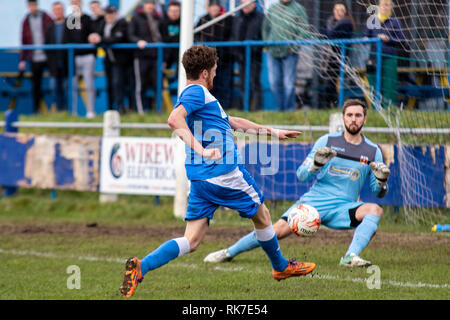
(178, 124)
(248, 126)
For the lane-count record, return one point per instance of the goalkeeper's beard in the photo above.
(353, 129)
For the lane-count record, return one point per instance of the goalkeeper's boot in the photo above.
(353, 260)
(294, 269)
(133, 276)
(218, 256)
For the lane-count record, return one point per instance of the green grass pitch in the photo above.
(43, 240)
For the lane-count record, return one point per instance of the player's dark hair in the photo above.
(198, 58)
(354, 102)
(174, 3)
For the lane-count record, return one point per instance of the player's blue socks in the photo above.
(165, 253)
(268, 241)
(363, 234)
(265, 238)
(246, 243)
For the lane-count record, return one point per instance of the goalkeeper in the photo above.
(336, 191)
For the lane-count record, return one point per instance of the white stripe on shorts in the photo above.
(235, 180)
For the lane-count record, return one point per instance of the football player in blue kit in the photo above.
(213, 165)
(336, 190)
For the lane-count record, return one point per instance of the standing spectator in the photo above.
(114, 29)
(170, 32)
(78, 30)
(34, 27)
(285, 20)
(339, 26)
(97, 16)
(247, 26)
(220, 31)
(57, 59)
(390, 31)
(143, 29)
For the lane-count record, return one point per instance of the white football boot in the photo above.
(353, 260)
(218, 256)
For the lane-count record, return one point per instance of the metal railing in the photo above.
(248, 44)
(165, 126)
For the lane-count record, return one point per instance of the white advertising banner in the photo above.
(138, 166)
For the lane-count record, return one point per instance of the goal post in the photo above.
(186, 41)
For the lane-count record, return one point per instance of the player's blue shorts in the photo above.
(341, 216)
(236, 190)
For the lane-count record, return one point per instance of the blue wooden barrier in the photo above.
(10, 117)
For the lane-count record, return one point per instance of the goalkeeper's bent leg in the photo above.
(363, 233)
(246, 243)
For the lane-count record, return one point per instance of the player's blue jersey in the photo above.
(340, 180)
(209, 124)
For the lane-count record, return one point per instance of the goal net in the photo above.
(404, 78)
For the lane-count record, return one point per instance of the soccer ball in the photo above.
(304, 220)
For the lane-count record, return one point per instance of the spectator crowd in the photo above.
(130, 73)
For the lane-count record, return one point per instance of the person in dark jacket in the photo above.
(97, 16)
(339, 26)
(34, 27)
(170, 32)
(142, 29)
(247, 26)
(220, 31)
(114, 29)
(389, 29)
(57, 59)
(78, 30)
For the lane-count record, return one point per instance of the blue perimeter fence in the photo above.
(343, 43)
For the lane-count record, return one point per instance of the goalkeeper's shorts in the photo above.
(236, 190)
(340, 216)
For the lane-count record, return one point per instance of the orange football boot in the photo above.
(294, 269)
(133, 276)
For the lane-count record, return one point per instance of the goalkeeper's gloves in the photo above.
(321, 157)
(381, 173)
